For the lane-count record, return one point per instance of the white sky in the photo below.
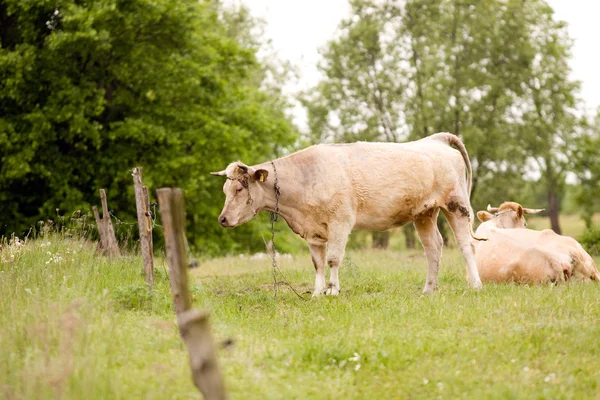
(298, 28)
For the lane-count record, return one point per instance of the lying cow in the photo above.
(515, 254)
(328, 190)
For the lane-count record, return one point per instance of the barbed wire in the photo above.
(112, 214)
(153, 215)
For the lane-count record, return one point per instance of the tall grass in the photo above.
(75, 325)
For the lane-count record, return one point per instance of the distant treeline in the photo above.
(89, 90)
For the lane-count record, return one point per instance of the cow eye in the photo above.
(239, 190)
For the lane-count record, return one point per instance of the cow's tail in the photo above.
(453, 140)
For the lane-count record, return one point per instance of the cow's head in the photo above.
(509, 215)
(243, 193)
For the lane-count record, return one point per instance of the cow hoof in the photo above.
(332, 291)
(429, 289)
(476, 285)
(318, 293)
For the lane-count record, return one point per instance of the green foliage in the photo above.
(590, 241)
(494, 72)
(90, 90)
(587, 166)
(133, 297)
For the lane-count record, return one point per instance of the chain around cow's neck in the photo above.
(274, 218)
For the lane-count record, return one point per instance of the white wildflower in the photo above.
(54, 258)
(425, 381)
(356, 357)
(550, 377)
(357, 367)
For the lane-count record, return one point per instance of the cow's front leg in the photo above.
(336, 247)
(317, 252)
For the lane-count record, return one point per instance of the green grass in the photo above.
(571, 225)
(80, 326)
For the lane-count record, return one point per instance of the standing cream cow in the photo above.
(328, 190)
(515, 254)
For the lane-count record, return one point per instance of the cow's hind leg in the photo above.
(459, 219)
(426, 225)
(336, 248)
(317, 252)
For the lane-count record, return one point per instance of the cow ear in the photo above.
(519, 212)
(261, 175)
(484, 216)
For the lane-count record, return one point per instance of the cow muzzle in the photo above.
(224, 221)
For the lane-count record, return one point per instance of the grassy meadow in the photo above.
(75, 325)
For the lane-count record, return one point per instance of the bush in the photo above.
(133, 297)
(590, 240)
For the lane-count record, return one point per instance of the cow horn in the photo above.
(492, 209)
(220, 173)
(533, 210)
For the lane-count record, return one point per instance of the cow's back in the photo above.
(386, 184)
(582, 264)
(505, 258)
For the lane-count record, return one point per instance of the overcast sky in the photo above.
(298, 28)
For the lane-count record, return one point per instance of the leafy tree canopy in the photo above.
(494, 72)
(90, 89)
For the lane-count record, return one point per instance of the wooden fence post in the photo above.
(171, 204)
(108, 241)
(101, 230)
(142, 205)
(194, 325)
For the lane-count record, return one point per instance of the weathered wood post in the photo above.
(142, 205)
(194, 325)
(101, 230)
(108, 241)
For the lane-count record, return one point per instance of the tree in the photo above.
(361, 96)
(90, 90)
(550, 124)
(405, 70)
(586, 163)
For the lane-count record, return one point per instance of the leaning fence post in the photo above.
(194, 325)
(142, 205)
(113, 246)
(108, 241)
(101, 230)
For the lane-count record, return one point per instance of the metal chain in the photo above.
(274, 217)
